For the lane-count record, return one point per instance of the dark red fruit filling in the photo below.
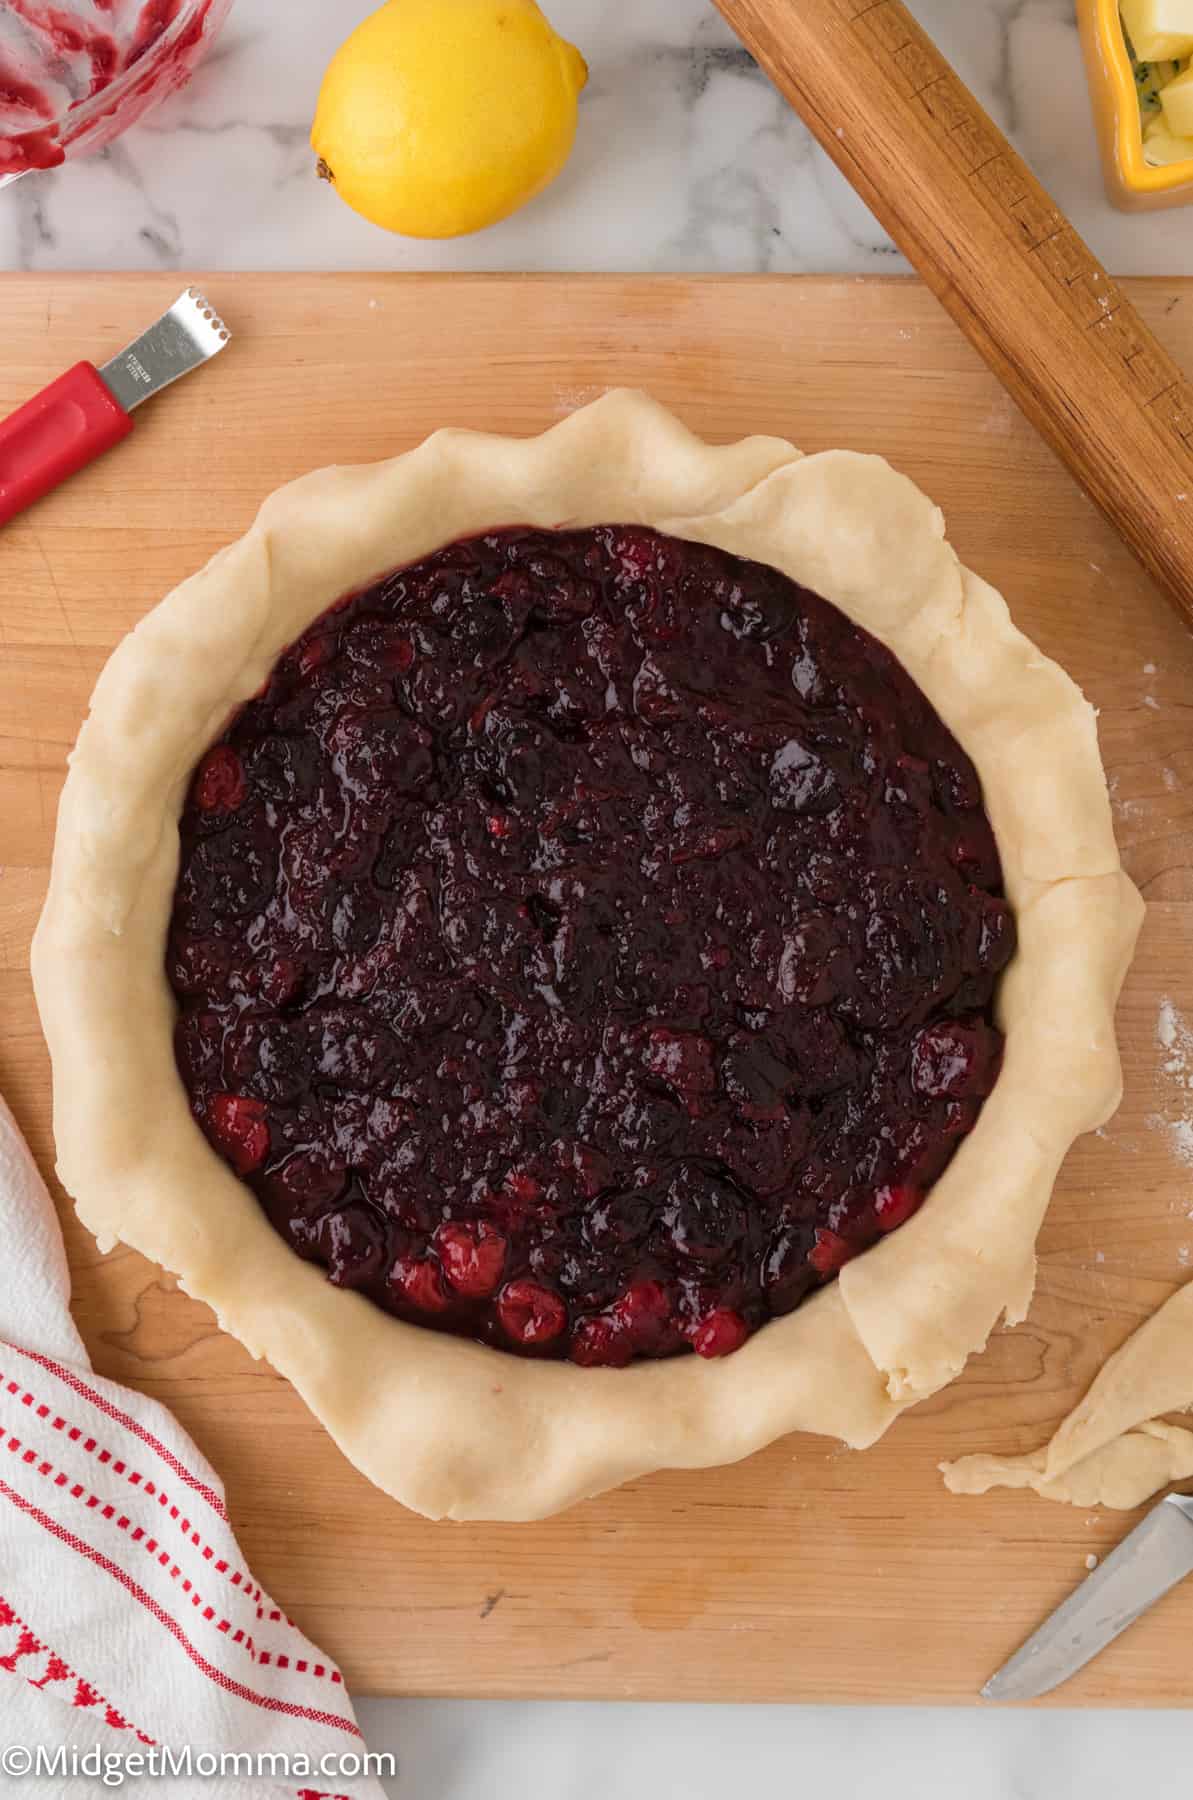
(586, 943)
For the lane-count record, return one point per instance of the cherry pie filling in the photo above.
(586, 943)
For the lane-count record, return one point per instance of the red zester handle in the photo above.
(55, 434)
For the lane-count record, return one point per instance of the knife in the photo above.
(1152, 1559)
(89, 410)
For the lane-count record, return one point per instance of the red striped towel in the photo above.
(128, 1619)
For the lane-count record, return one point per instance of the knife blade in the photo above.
(1149, 1561)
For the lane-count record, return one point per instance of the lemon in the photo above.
(438, 117)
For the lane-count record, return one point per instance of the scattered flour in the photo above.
(1091, 1561)
(571, 399)
(1000, 419)
(1175, 1038)
(1149, 668)
(1150, 700)
(1170, 779)
(1173, 1035)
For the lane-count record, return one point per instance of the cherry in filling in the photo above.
(586, 944)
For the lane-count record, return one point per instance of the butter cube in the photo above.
(1177, 101)
(1162, 149)
(1161, 30)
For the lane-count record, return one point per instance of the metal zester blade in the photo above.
(189, 334)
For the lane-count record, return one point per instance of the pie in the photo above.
(587, 952)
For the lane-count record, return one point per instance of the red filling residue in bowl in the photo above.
(55, 59)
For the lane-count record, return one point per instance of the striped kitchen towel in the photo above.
(132, 1635)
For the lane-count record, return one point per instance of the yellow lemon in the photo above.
(438, 117)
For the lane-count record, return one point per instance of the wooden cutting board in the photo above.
(807, 1573)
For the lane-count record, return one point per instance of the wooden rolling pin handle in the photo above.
(998, 253)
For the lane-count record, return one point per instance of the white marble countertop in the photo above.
(686, 160)
(489, 1750)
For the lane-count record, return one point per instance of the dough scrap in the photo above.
(1113, 1449)
(1122, 1474)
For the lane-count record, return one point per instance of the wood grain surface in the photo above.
(807, 1572)
(964, 207)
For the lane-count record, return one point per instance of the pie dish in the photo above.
(576, 1180)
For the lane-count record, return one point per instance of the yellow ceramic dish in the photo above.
(1131, 181)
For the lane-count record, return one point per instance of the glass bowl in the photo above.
(75, 74)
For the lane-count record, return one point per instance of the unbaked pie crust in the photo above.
(447, 1426)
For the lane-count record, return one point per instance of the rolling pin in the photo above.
(1004, 260)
